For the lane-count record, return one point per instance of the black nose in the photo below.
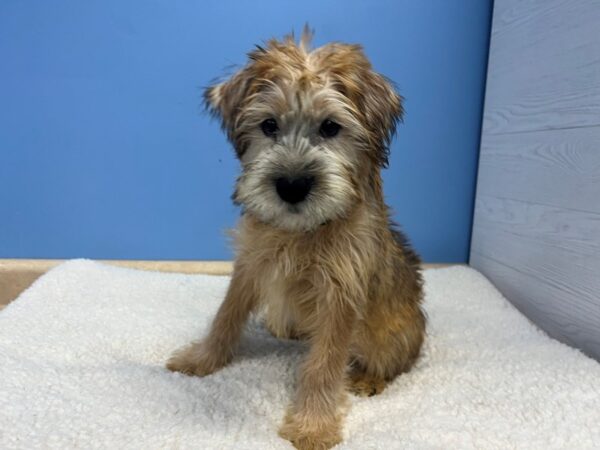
(294, 190)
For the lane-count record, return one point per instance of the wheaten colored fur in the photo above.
(333, 271)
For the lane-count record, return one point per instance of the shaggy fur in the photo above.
(329, 268)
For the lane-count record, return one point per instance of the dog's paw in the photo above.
(194, 360)
(302, 437)
(363, 385)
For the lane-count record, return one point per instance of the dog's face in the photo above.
(311, 129)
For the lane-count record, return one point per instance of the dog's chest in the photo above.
(289, 305)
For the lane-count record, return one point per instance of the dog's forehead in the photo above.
(295, 65)
(291, 78)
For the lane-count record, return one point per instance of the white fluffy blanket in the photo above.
(82, 356)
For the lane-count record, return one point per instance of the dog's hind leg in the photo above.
(385, 348)
(362, 383)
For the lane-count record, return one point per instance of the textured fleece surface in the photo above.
(82, 356)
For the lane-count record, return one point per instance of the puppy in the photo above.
(316, 248)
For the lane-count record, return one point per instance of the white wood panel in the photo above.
(536, 230)
(538, 301)
(544, 227)
(552, 254)
(544, 67)
(556, 167)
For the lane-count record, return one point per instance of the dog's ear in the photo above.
(382, 108)
(374, 98)
(224, 100)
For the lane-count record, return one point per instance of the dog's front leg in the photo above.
(216, 350)
(313, 421)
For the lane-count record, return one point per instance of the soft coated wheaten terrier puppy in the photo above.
(315, 245)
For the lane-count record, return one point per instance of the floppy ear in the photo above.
(373, 96)
(225, 100)
(382, 107)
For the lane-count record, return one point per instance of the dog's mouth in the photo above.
(294, 209)
(297, 210)
(299, 203)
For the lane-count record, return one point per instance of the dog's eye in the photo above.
(329, 128)
(269, 127)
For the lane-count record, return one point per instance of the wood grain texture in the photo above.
(539, 301)
(545, 259)
(536, 228)
(553, 167)
(544, 66)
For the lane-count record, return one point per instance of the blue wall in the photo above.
(105, 152)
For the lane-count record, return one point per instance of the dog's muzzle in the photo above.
(294, 190)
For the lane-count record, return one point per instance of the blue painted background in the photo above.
(105, 151)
